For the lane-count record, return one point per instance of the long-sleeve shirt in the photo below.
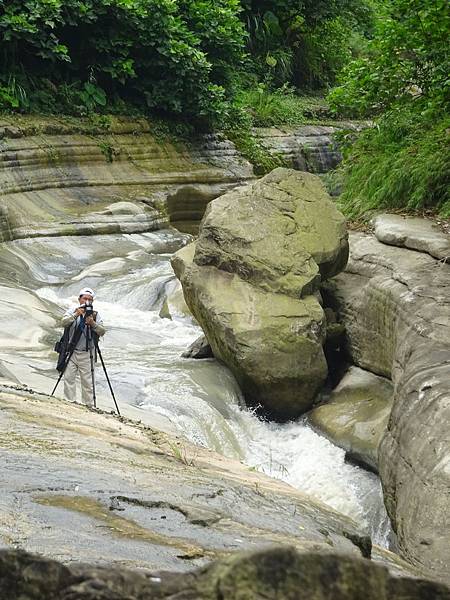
(71, 319)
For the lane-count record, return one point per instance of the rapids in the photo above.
(132, 276)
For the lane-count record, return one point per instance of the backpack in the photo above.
(62, 348)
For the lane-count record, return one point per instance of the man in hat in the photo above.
(86, 326)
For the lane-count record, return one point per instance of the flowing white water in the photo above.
(132, 275)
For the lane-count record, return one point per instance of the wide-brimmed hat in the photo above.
(85, 291)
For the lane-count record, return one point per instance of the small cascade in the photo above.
(131, 274)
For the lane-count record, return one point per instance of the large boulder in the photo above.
(394, 303)
(271, 342)
(251, 280)
(281, 233)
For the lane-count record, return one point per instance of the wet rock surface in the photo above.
(199, 349)
(82, 485)
(356, 414)
(272, 574)
(395, 305)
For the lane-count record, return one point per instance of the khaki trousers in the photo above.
(80, 363)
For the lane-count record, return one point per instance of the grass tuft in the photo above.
(402, 163)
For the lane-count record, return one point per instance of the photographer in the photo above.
(84, 323)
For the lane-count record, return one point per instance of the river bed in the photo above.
(199, 399)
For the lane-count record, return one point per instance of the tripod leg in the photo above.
(91, 359)
(59, 379)
(107, 378)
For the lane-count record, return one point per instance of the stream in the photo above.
(199, 399)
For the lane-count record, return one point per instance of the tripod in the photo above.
(90, 337)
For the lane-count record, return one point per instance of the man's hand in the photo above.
(90, 321)
(79, 311)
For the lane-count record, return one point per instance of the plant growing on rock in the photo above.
(402, 162)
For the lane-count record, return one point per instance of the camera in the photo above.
(88, 309)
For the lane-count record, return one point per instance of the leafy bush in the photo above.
(12, 94)
(160, 54)
(407, 59)
(307, 42)
(323, 51)
(238, 128)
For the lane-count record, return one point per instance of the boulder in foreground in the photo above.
(273, 573)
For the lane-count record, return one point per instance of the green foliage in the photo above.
(322, 52)
(305, 43)
(408, 58)
(402, 162)
(92, 96)
(239, 130)
(260, 107)
(13, 96)
(163, 55)
(170, 57)
(108, 150)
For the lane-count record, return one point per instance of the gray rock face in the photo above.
(395, 304)
(82, 485)
(414, 233)
(271, 574)
(356, 414)
(309, 148)
(251, 279)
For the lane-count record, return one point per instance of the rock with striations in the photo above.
(395, 305)
(251, 281)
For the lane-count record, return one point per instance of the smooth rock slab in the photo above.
(414, 233)
(395, 305)
(82, 485)
(356, 414)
